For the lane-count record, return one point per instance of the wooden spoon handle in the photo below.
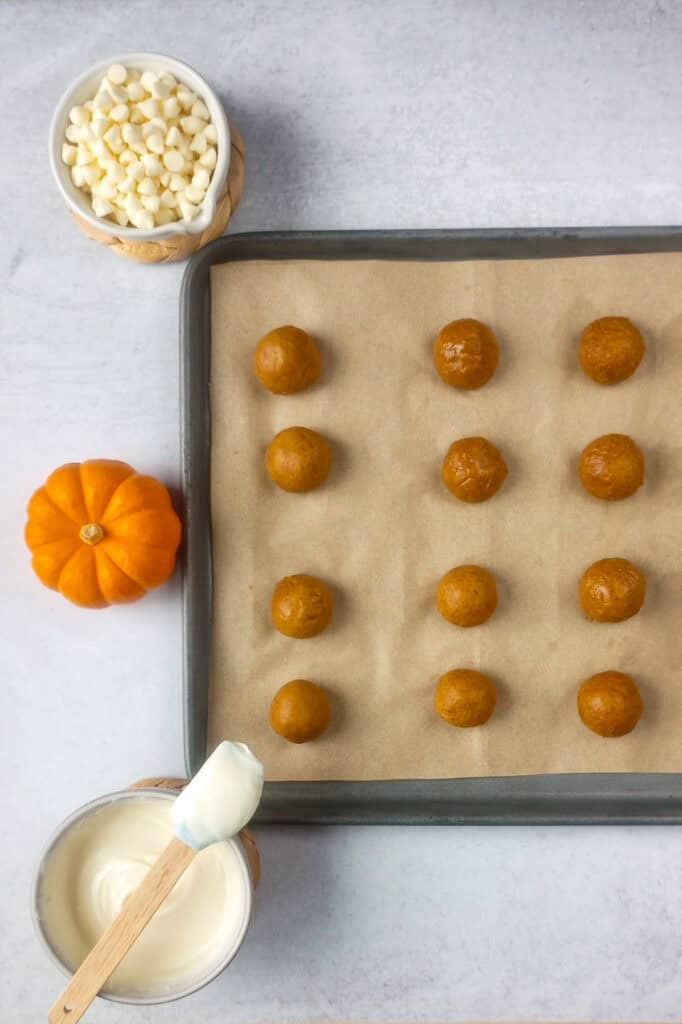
(112, 946)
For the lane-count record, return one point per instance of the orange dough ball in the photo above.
(612, 467)
(300, 711)
(466, 354)
(287, 360)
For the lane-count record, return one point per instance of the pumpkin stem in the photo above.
(91, 533)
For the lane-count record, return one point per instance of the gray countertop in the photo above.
(355, 115)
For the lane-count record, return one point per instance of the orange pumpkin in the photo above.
(102, 534)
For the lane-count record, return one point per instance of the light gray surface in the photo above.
(356, 115)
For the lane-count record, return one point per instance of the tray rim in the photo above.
(584, 798)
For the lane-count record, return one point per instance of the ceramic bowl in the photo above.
(84, 88)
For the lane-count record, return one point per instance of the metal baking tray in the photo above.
(543, 799)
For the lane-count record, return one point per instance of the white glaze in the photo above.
(103, 858)
(221, 798)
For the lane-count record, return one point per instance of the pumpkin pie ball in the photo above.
(302, 606)
(612, 467)
(298, 459)
(287, 360)
(466, 354)
(610, 703)
(474, 469)
(467, 595)
(611, 349)
(300, 711)
(465, 698)
(612, 590)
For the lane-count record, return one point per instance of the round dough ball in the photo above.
(611, 349)
(610, 703)
(612, 590)
(287, 360)
(465, 698)
(300, 711)
(474, 469)
(302, 606)
(467, 595)
(612, 467)
(466, 354)
(298, 459)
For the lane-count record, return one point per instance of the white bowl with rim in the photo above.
(84, 88)
(153, 996)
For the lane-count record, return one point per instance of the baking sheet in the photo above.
(392, 420)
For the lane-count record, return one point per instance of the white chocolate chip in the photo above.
(136, 91)
(127, 157)
(84, 155)
(177, 183)
(103, 101)
(121, 218)
(143, 219)
(91, 174)
(191, 125)
(100, 150)
(151, 203)
(199, 109)
(188, 210)
(116, 173)
(131, 133)
(127, 185)
(152, 165)
(112, 135)
(101, 207)
(211, 133)
(160, 89)
(199, 144)
(120, 112)
(77, 176)
(99, 125)
(174, 136)
(194, 194)
(171, 107)
(186, 97)
(168, 77)
(173, 161)
(157, 124)
(79, 115)
(136, 116)
(117, 92)
(89, 106)
(136, 170)
(146, 187)
(208, 159)
(147, 79)
(69, 154)
(169, 199)
(73, 133)
(150, 108)
(201, 178)
(155, 143)
(106, 188)
(117, 74)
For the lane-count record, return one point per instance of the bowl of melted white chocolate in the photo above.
(99, 856)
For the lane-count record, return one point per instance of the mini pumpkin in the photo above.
(102, 534)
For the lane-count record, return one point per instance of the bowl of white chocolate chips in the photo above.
(140, 149)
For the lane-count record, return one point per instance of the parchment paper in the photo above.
(384, 530)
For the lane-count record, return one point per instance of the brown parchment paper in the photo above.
(383, 529)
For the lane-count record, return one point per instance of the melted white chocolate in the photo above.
(101, 860)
